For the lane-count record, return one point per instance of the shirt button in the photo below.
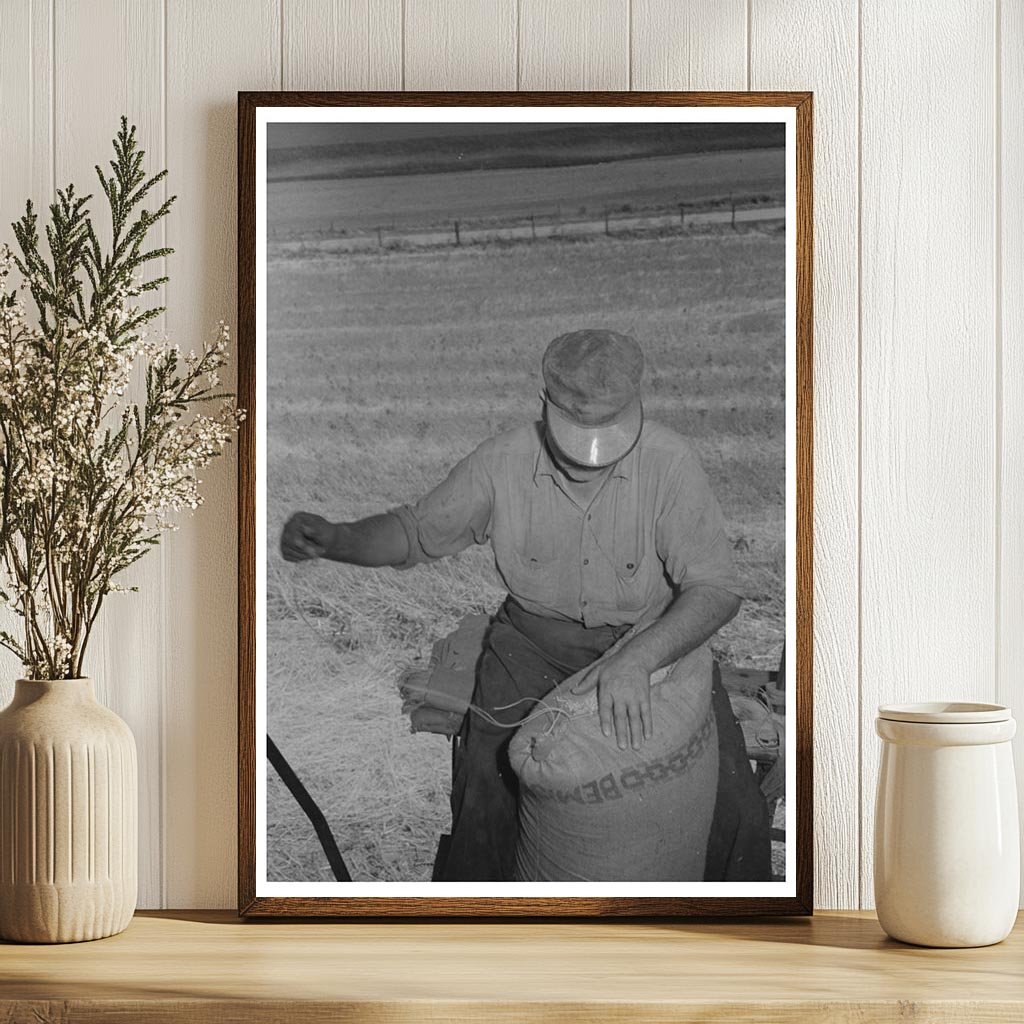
(586, 561)
(589, 517)
(583, 604)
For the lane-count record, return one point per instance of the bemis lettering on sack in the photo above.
(597, 791)
(616, 785)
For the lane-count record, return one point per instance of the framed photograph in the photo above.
(525, 504)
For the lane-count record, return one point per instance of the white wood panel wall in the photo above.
(130, 34)
(1009, 328)
(919, 316)
(928, 514)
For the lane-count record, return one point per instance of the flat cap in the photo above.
(592, 378)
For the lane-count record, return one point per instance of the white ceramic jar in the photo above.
(947, 846)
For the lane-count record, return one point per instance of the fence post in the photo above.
(682, 214)
(732, 203)
(533, 228)
(380, 238)
(606, 231)
(457, 239)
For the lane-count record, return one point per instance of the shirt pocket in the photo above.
(530, 564)
(629, 557)
(534, 575)
(536, 541)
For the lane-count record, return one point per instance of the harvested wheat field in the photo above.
(383, 370)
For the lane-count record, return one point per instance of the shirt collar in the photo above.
(545, 466)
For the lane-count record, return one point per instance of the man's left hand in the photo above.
(623, 698)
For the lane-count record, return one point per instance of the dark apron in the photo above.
(525, 656)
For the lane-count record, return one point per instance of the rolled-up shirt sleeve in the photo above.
(690, 533)
(452, 516)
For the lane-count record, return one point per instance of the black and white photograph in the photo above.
(524, 502)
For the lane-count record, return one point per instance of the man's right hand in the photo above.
(306, 536)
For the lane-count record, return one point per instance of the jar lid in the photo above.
(945, 712)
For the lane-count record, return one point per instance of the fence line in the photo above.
(534, 227)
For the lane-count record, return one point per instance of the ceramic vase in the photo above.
(68, 815)
(947, 846)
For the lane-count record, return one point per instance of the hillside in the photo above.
(561, 146)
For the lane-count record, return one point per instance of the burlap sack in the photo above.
(592, 812)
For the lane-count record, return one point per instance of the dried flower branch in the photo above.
(88, 477)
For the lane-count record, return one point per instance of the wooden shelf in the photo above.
(200, 967)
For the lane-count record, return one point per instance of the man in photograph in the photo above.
(599, 521)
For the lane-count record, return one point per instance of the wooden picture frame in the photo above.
(796, 897)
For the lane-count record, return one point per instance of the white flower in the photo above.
(80, 462)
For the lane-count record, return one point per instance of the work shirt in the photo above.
(653, 529)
